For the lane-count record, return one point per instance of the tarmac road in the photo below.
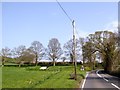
(98, 80)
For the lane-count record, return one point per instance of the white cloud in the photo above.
(81, 33)
(112, 26)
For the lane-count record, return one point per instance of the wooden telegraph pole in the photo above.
(74, 40)
(119, 35)
(74, 48)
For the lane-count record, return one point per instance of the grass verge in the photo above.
(32, 77)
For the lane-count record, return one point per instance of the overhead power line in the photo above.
(74, 39)
(67, 16)
(64, 11)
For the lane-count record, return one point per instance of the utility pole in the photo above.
(74, 48)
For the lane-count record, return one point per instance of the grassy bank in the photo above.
(32, 77)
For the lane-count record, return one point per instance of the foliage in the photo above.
(4, 54)
(26, 57)
(105, 44)
(88, 68)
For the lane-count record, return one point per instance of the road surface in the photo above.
(98, 80)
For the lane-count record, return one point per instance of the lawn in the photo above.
(32, 77)
(0, 77)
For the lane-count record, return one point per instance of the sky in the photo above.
(25, 22)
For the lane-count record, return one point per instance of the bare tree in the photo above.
(5, 53)
(38, 50)
(63, 59)
(68, 49)
(18, 52)
(54, 50)
(13, 53)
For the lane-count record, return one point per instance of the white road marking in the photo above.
(107, 80)
(84, 81)
(98, 74)
(115, 86)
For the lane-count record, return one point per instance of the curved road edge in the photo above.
(97, 72)
(105, 79)
(83, 81)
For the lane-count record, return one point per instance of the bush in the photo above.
(88, 69)
(45, 64)
(52, 68)
(116, 72)
(36, 68)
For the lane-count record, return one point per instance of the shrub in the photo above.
(37, 68)
(88, 69)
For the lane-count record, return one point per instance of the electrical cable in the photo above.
(67, 16)
(64, 11)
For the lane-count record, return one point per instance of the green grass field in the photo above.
(32, 77)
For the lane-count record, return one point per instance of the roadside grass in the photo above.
(9, 63)
(0, 77)
(32, 77)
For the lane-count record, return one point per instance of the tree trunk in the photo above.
(107, 64)
(36, 59)
(94, 57)
(53, 62)
(63, 62)
(83, 60)
(3, 61)
(20, 65)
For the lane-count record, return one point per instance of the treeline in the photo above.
(102, 46)
(37, 52)
(105, 45)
